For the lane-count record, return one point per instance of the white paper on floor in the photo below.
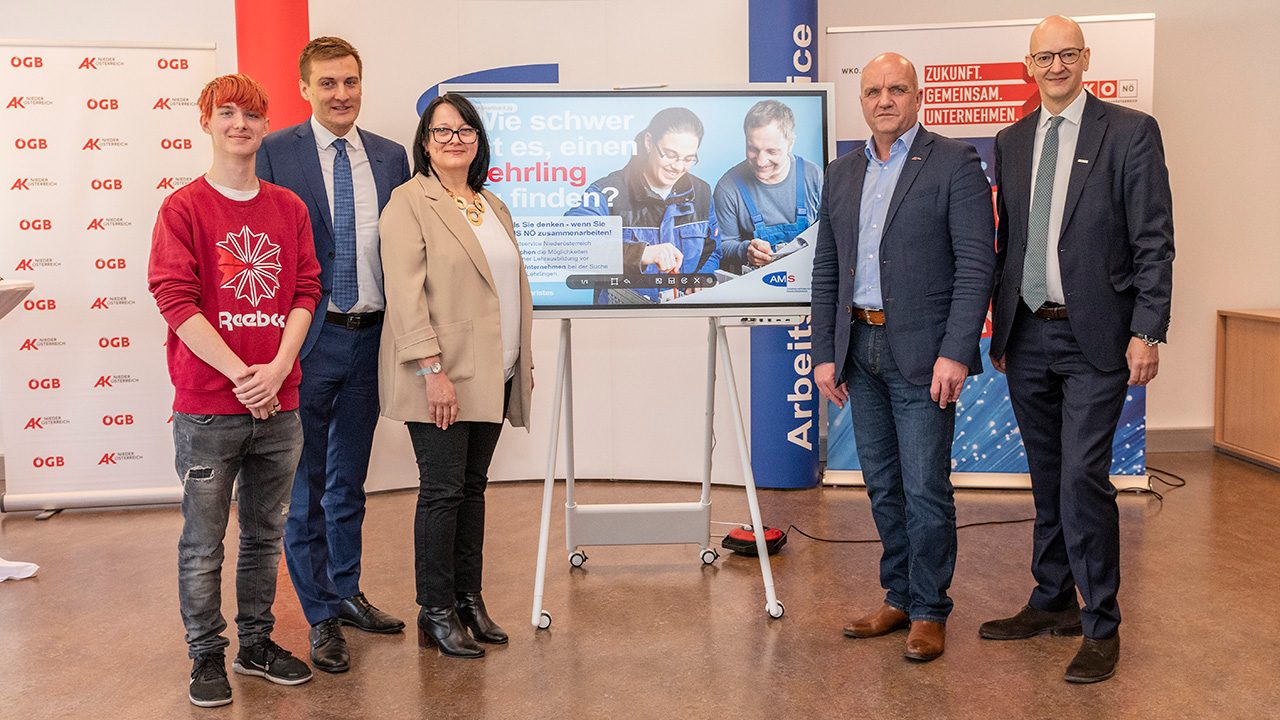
(16, 570)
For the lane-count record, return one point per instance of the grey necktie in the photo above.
(1035, 284)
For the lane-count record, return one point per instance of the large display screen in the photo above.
(661, 202)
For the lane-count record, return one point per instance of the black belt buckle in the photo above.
(354, 321)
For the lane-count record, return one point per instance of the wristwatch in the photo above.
(1147, 339)
(431, 369)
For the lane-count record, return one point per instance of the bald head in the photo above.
(890, 62)
(1057, 60)
(890, 99)
(1056, 28)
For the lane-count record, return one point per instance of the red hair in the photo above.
(240, 89)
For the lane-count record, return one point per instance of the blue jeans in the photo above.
(904, 446)
(210, 452)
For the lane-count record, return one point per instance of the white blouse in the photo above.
(504, 263)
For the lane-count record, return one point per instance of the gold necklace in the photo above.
(474, 210)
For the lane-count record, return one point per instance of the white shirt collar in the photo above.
(1071, 113)
(324, 138)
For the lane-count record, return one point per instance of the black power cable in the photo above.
(1153, 475)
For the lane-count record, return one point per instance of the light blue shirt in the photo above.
(877, 191)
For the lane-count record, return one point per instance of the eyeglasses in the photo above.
(671, 157)
(444, 135)
(1068, 56)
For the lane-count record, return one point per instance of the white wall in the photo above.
(1217, 102)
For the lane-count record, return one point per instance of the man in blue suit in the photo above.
(345, 176)
(901, 282)
(1083, 292)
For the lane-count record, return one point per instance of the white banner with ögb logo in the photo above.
(92, 138)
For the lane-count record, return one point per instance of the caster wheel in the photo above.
(578, 558)
(709, 557)
(776, 611)
(544, 620)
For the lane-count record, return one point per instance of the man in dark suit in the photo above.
(1083, 284)
(901, 282)
(345, 176)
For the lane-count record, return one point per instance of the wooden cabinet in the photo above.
(1246, 407)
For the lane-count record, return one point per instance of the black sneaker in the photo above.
(209, 686)
(269, 660)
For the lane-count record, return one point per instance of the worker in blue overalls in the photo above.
(668, 221)
(766, 200)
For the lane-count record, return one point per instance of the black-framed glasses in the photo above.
(1068, 56)
(444, 135)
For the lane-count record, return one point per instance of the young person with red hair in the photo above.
(234, 273)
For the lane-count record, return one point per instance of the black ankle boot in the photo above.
(475, 617)
(439, 626)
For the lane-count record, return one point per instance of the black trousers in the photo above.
(1067, 412)
(448, 527)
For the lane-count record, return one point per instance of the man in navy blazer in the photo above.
(901, 283)
(345, 176)
(1083, 286)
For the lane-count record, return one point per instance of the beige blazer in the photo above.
(441, 299)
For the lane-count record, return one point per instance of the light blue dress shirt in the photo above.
(877, 191)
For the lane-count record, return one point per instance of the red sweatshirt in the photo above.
(245, 265)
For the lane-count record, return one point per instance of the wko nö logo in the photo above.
(40, 423)
(24, 102)
(778, 279)
(96, 143)
(32, 184)
(32, 264)
(31, 344)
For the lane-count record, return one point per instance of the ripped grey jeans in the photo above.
(210, 451)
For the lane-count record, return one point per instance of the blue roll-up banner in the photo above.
(783, 47)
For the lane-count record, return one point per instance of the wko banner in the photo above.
(92, 138)
(975, 84)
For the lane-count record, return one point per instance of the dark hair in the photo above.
(478, 173)
(668, 120)
(326, 48)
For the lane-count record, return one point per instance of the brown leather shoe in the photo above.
(881, 622)
(926, 640)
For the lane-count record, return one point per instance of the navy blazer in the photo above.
(936, 258)
(1116, 243)
(289, 158)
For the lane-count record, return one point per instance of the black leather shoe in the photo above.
(475, 618)
(1096, 660)
(360, 613)
(440, 626)
(328, 647)
(1030, 622)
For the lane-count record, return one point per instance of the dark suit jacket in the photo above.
(936, 258)
(1116, 243)
(288, 157)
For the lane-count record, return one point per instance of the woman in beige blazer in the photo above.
(455, 359)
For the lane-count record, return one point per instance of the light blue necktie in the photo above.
(1035, 270)
(346, 286)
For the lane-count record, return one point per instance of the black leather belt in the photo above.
(354, 321)
(1052, 311)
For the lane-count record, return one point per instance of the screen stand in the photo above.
(643, 523)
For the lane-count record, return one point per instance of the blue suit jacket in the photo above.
(1116, 242)
(289, 158)
(936, 258)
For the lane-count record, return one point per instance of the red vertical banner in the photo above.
(269, 37)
